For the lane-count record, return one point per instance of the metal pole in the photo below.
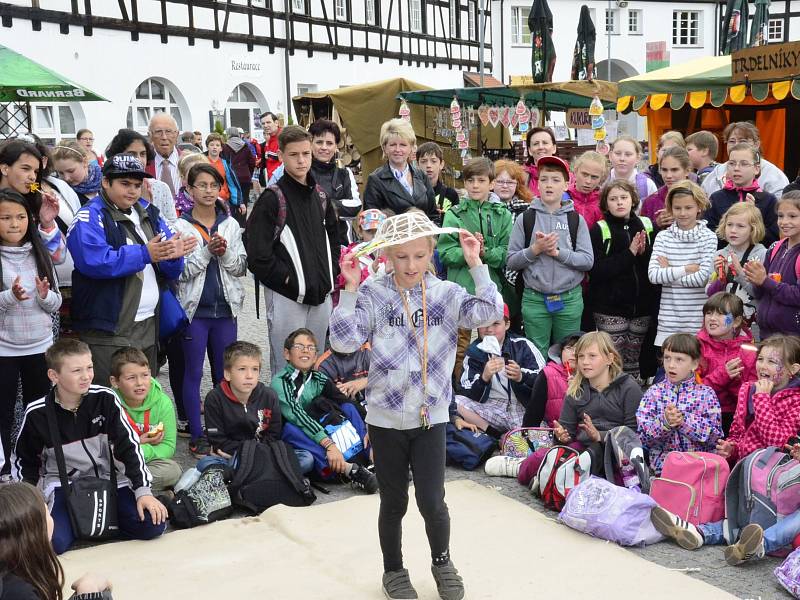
(608, 36)
(287, 8)
(481, 24)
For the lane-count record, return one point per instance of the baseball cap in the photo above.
(371, 219)
(506, 312)
(554, 161)
(124, 165)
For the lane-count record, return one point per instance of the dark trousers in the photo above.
(130, 527)
(32, 369)
(424, 451)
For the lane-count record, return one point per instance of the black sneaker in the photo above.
(397, 585)
(448, 581)
(363, 479)
(200, 448)
(183, 429)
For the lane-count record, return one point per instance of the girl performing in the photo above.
(411, 320)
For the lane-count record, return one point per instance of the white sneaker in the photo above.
(750, 546)
(503, 466)
(672, 526)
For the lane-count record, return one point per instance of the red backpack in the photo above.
(561, 470)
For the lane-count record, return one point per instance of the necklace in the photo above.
(422, 349)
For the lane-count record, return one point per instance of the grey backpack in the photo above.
(624, 459)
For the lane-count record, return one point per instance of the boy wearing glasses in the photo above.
(490, 221)
(318, 418)
(210, 290)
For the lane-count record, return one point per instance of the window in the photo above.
(455, 9)
(471, 29)
(53, 122)
(340, 9)
(241, 93)
(370, 12)
(775, 30)
(415, 15)
(305, 88)
(152, 96)
(520, 34)
(612, 21)
(686, 28)
(635, 26)
(299, 6)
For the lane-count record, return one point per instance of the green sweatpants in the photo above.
(543, 327)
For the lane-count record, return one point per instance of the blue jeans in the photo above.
(776, 537)
(130, 527)
(304, 457)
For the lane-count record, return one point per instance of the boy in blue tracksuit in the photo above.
(123, 253)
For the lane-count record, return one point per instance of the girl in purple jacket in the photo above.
(775, 283)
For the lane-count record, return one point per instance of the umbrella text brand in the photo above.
(74, 93)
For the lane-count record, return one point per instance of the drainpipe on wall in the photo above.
(502, 44)
(286, 65)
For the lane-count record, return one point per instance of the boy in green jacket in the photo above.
(491, 222)
(151, 414)
(306, 395)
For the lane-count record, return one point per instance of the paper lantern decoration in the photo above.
(405, 111)
(596, 107)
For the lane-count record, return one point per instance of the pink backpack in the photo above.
(692, 486)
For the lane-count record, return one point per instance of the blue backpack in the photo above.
(468, 449)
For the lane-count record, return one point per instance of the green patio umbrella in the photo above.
(24, 80)
(734, 27)
(760, 24)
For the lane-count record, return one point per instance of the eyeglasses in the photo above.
(163, 132)
(734, 141)
(745, 164)
(505, 182)
(301, 347)
(207, 187)
(85, 139)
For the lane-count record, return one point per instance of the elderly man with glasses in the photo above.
(163, 131)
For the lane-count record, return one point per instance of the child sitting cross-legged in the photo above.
(496, 385)
(678, 414)
(241, 408)
(150, 412)
(348, 370)
(87, 417)
(307, 397)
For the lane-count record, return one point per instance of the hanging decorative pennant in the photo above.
(456, 123)
(535, 115)
(494, 116)
(483, 114)
(455, 109)
(514, 119)
(505, 116)
(596, 107)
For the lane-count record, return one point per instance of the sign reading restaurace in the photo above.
(775, 62)
(245, 65)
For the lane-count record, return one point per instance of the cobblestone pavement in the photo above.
(753, 581)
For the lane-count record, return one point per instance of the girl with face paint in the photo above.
(726, 362)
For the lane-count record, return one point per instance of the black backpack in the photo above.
(267, 474)
(528, 221)
(205, 501)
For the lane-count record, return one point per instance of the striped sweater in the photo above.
(682, 294)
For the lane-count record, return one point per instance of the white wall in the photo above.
(112, 65)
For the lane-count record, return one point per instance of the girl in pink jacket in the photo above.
(728, 356)
(768, 411)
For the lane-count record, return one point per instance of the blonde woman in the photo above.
(398, 185)
(599, 397)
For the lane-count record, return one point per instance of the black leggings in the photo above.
(394, 451)
(32, 369)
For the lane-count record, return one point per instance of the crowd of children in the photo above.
(481, 327)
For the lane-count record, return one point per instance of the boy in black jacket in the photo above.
(241, 408)
(293, 247)
(88, 417)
